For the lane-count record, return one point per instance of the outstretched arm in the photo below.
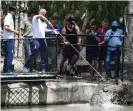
(43, 18)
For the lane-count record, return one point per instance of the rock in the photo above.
(109, 93)
(125, 95)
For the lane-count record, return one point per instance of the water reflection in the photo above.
(73, 107)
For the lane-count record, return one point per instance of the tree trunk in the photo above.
(70, 7)
(87, 20)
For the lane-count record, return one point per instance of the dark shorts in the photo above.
(102, 53)
(92, 53)
(90, 57)
(69, 51)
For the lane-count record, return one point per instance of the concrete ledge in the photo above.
(47, 93)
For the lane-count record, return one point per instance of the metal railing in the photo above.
(53, 55)
(32, 94)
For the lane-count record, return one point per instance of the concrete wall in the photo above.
(47, 93)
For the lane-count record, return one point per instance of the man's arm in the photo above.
(97, 36)
(107, 36)
(63, 32)
(48, 30)
(10, 30)
(43, 18)
(7, 25)
(78, 32)
(51, 30)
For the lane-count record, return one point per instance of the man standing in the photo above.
(70, 52)
(52, 43)
(39, 27)
(55, 25)
(26, 31)
(102, 47)
(92, 49)
(114, 40)
(8, 35)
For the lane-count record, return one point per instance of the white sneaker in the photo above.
(26, 70)
(43, 71)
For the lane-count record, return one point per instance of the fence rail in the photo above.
(32, 94)
(54, 54)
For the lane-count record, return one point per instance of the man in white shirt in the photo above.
(39, 28)
(8, 35)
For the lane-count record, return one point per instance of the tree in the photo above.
(98, 10)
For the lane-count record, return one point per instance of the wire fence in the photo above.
(53, 55)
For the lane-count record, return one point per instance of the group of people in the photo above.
(35, 27)
(102, 44)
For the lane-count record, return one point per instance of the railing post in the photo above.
(56, 53)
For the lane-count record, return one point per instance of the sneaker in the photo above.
(9, 73)
(26, 70)
(43, 71)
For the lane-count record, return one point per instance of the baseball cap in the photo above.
(114, 23)
(12, 8)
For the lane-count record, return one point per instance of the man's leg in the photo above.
(9, 55)
(90, 67)
(5, 59)
(34, 51)
(43, 48)
(95, 64)
(117, 63)
(108, 63)
(62, 65)
(26, 48)
(73, 63)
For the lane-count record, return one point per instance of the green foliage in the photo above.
(99, 10)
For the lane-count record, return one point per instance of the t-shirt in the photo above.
(52, 41)
(8, 21)
(72, 39)
(101, 32)
(92, 43)
(114, 38)
(38, 27)
(26, 25)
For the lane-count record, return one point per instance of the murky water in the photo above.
(72, 107)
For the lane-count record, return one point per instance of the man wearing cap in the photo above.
(8, 35)
(114, 41)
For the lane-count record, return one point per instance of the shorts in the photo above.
(90, 57)
(102, 53)
(69, 51)
(92, 53)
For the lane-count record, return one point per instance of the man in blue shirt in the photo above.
(114, 40)
(55, 25)
(52, 43)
